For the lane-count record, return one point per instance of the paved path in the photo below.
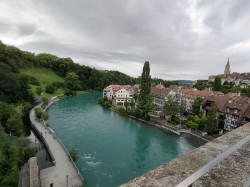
(63, 168)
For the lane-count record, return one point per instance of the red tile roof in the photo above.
(159, 91)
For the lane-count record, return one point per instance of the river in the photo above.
(112, 149)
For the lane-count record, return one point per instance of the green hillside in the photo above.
(44, 77)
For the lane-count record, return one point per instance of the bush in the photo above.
(50, 89)
(175, 120)
(73, 154)
(57, 84)
(69, 92)
(25, 154)
(34, 81)
(39, 90)
(38, 112)
(105, 102)
(192, 125)
(45, 102)
(200, 121)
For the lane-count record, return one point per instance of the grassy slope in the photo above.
(45, 77)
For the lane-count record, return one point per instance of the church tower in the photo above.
(227, 69)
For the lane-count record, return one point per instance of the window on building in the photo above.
(235, 110)
(228, 109)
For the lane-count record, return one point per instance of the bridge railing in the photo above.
(38, 133)
(66, 151)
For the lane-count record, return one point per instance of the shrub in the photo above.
(39, 90)
(73, 154)
(50, 89)
(33, 81)
(57, 84)
(192, 125)
(105, 102)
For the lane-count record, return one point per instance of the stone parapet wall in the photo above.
(34, 181)
(235, 169)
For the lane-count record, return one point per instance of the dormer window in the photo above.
(235, 110)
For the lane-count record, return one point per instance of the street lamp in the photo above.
(67, 180)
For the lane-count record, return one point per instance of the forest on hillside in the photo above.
(89, 78)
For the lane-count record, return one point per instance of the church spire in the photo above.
(227, 68)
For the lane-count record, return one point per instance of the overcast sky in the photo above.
(188, 39)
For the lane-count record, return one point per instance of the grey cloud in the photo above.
(5, 27)
(121, 34)
(26, 29)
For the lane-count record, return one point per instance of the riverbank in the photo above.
(163, 127)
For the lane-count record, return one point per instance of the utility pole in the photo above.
(67, 180)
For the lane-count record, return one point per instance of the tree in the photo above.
(174, 105)
(50, 89)
(192, 125)
(200, 84)
(38, 113)
(217, 83)
(196, 105)
(145, 98)
(135, 96)
(14, 125)
(212, 119)
(126, 104)
(132, 104)
(145, 86)
(71, 83)
(39, 90)
(45, 116)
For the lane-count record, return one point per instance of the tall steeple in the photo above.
(227, 69)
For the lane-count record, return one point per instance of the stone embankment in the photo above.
(233, 170)
(64, 172)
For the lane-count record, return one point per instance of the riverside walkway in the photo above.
(63, 173)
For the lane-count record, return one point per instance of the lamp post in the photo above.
(67, 180)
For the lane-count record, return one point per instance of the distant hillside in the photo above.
(90, 78)
(45, 77)
(186, 81)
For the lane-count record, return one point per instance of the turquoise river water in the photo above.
(112, 149)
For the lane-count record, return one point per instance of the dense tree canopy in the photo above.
(145, 99)
(71, 83)
(212, 119)
(196, 105)
(217, 83)
(174, 105)
(200, 84)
